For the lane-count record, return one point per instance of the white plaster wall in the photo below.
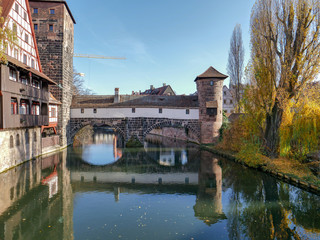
(139, 112)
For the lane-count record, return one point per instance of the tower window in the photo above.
(212, 111)
(35, 10)
(52, 11)
(35, 26)
(51, 28)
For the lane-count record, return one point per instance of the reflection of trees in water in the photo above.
(262, 208)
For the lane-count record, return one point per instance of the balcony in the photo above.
(33, 120)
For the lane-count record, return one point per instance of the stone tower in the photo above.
(209, 87)
(54, 29)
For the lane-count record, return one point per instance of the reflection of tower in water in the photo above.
(208, 205)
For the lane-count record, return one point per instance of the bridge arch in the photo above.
(78, 124)
(172, 123)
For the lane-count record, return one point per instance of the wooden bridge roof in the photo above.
(129, 101)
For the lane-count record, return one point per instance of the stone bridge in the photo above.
(139, 127)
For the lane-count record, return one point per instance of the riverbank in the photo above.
(289, 171)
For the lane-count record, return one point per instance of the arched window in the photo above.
(27, 136)
(11, 141)
(18, 140)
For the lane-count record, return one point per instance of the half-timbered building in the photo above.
(24, 89)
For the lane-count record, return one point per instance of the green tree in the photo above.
(285, 44)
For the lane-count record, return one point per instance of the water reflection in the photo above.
(138, 197)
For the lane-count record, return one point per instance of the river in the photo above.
(166, 190)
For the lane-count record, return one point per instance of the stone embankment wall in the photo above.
(18, 146)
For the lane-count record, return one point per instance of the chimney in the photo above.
(164, 84)
(151, 87)
(116, 96)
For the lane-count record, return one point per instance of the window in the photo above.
(82, 110)
(14, 28)
(26, 136)
(34, 136)
(24, 80)
(160, 110)
(11, 141)
(51, 27)
(35, 26)
(24, 107)
(231, 102)
(133, 110)
(211, 83)
(53, 112)
(32, 63)
(224, 101)
(18, 140)
(212, 111)
(35, 10)
(16, 53)
(51, 11)
(224, 93)
(187, 111)
(16, 8)
(25, 16)
(94, 110)
(26, 38)
(14, 106)
(44, 109)
(13, 74)
(36, 84)
(35, 108)
(24, 59)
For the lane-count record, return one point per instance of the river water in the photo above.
(167, 190)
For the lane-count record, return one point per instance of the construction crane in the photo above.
(96, 56)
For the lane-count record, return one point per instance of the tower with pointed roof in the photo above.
(209, 88)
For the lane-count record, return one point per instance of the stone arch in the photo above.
(174, 123)
(78, 125)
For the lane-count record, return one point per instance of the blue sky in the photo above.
(164, 41)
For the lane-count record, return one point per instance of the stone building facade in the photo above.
(209, 88)
(54, 30)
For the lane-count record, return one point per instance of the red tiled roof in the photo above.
(158, 91)
(211, 73)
